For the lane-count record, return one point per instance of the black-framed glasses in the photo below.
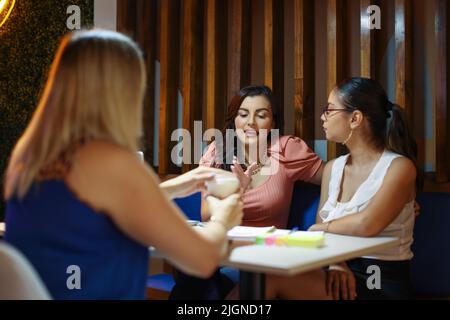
(327, 111)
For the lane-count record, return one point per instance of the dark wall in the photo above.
(28, 41)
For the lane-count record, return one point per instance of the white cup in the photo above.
(222, 186)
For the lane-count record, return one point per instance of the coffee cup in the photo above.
(222, 186)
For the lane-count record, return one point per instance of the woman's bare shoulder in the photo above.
(328, 166)
(402, 168)
(101, 157)
(101, 169)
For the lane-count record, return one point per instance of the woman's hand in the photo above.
(228, 211)
(188, 183)
(340, 282)
(245, 178)
(318, 227)
(416, 208)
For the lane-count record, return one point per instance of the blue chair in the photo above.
(160, 285)
(430, 267)
(191, 206)
(305, 201)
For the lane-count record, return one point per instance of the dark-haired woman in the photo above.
(371, 190)
(268, 177)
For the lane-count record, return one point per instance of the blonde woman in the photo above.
(80, 205)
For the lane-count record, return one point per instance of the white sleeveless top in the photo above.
(401, 227)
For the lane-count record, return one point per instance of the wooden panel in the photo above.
(304, 70)
(336, 54)
(367, 42)
(169, 64)
(274, 53)
(383, 37)
(145, 36)
(441, 95)
(403, 56)
(430, 185)
(192, 56)
(216, 57)
(126, 17)
(239, 45)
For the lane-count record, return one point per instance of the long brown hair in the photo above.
(387, 123)
(232, 112)
(94, 91)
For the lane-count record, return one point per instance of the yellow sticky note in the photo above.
(305, 239)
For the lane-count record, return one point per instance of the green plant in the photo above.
(28, 41)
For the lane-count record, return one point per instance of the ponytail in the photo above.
(399, 138)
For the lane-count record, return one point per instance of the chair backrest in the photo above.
(18, 279)
(304, 204)
(431, 263)
(191, 206)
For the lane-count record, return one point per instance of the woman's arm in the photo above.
(398, 188)
(317, 178)
(132, 198)
(189, 182)
(325, 173)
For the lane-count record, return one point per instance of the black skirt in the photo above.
(394, 279)
(192, 288)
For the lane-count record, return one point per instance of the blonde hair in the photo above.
(95, 90)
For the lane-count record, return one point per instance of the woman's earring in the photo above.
(348, 138)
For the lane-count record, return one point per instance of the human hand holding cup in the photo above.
(222, 186)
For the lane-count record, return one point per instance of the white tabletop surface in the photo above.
(294, 260)
(2, 229)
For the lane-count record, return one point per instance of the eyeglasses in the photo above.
(326, 111)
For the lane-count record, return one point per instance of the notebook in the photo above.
(241, 233)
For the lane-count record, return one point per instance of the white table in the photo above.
(2, 229)
(254, 261)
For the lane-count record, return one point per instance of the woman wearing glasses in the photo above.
(356, 116)
(371, 190)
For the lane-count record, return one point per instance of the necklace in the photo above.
(257, 169)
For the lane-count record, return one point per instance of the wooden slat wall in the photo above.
(336, 53)
(273, 52)
(304, 70)
(169, 66)
(137, 19)
(216, 63)
(216, 45)
(146, 38)
(367, 42)
(192, 71)
(239, 45)
(441, 95)
(403, 56)
(126, 17)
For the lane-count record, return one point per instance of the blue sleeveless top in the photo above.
(59, 234)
